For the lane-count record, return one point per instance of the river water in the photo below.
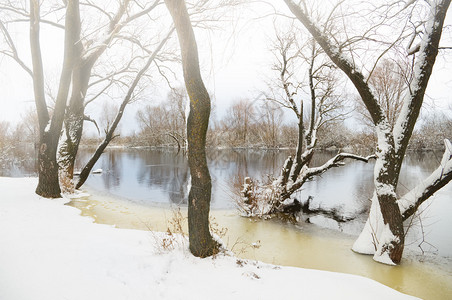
(160, 178)
(139, 188)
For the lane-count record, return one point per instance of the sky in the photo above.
(235, 59)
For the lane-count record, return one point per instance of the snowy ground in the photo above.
(48, 251)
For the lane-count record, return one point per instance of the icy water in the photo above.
(160, 178)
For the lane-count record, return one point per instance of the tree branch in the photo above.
(423, 69)
(336, 161)
(411, 201)
(341, 61)
(14, 55)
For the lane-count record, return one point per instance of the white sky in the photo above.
(233, 68)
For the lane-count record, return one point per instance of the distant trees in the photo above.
(384, 235)
(239, 122)
(164, 123)
(434, 128)
(389, 80)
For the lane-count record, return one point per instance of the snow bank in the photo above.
(48, 251)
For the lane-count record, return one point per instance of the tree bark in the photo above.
(75, 117)
(48, 183)
(50, 129)
(201, 242)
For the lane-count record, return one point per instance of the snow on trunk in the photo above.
(377, 238)
(366, 243)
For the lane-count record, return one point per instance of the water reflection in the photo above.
(160, 177)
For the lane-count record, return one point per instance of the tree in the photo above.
(384, 235)
(269, 125)
(238, 121)
(324, 107)
(165, 122)
(201, 242)
(83, 46)
(86, 54)
(389, 81)
(112, 124)
(50, 127)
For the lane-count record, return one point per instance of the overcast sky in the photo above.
(233, 68)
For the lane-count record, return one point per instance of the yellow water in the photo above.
(278, 243)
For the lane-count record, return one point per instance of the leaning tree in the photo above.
(383, 234)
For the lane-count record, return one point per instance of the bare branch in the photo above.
(14, 55)
(89, 119)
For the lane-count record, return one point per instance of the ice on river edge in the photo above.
(48, 251)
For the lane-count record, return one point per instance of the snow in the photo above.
(47, 128)
(48, 251)
(367, 240)
(97, 171)
(385, 239)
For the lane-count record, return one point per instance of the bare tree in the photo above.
(238, 122)
(49, 127)
(324, 106)
(112, 123)
(269, 124)
(201, 242)
(383, 235)
(389, 81)
(165, 123)
(87, 53)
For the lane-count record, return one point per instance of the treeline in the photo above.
(262, 124)
(243, 125)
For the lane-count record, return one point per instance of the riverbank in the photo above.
(274, 242)
(48, 251)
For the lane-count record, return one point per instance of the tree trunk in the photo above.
(48, 184)
(75, 115)
(201, 242)
(90, 164)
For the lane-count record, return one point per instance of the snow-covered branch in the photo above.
(410, 202)
(336, 161)
(428, 51)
